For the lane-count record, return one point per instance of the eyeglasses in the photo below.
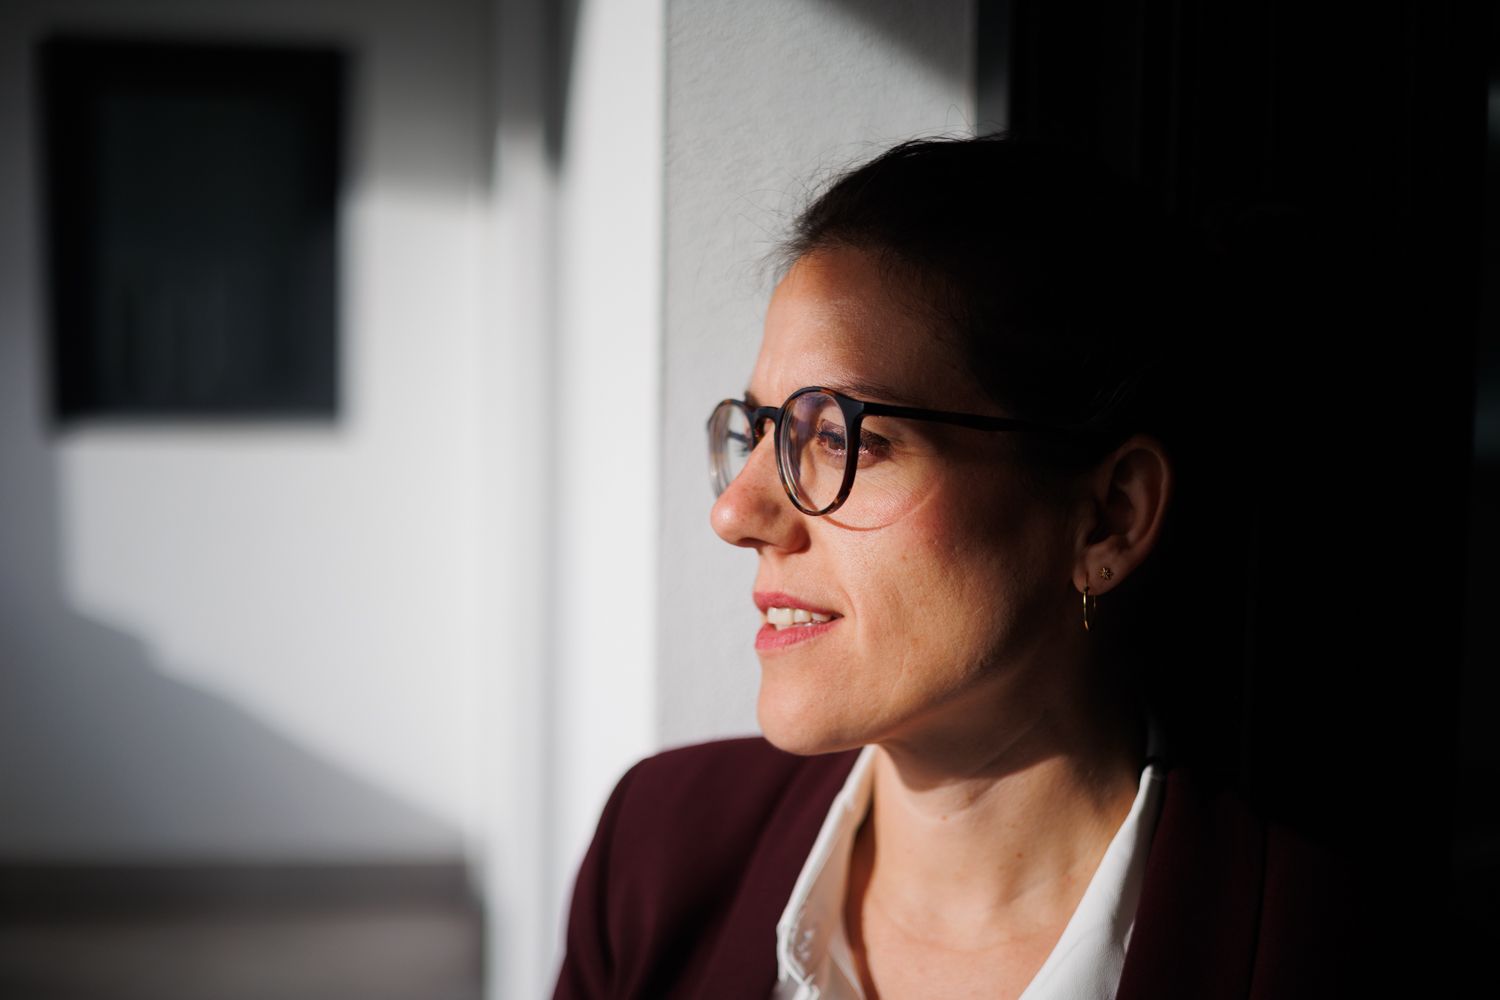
(813, 430)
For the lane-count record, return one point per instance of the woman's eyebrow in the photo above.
(859, 387)
(871, 390)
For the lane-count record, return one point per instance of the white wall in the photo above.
(254, 641)
(607, 407)
(576, 362)
(763, 100)
(517, 530)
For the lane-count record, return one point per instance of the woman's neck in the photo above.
(976, 838)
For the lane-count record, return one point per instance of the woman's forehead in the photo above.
(834, 321)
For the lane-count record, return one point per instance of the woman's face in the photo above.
(952, 595)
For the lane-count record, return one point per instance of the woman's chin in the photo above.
(804, 725)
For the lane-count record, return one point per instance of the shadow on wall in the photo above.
(102, 757)
(113, 777)
(101, 752)
(156, 839)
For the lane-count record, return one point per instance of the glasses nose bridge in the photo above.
(759, 416)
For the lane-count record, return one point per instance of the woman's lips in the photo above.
(770, 637)
(790, 620)
(767, 599)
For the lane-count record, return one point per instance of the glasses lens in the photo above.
(814, 450)
(729, 444)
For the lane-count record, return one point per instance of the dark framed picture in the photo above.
(191, 222)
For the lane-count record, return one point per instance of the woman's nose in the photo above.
(753, 511)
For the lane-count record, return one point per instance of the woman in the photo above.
(952, 444)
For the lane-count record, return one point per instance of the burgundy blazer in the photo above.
(698, 848)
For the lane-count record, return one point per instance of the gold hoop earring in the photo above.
(1090, 603)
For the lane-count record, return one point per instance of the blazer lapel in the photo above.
(744, 956)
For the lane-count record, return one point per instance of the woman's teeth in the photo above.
(787, 617)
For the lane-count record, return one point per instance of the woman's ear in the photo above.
(1124, 506)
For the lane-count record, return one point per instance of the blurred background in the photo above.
(354, 357)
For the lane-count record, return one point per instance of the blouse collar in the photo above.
(814, 961)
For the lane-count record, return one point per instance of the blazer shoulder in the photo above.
(745, 757)
(1235, 903)
(1319, 933)
(728, 785)
(694, 856)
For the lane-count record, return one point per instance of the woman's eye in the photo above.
(739, 444)
(872, 446)
(831, 439)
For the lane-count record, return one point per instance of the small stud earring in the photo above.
(1106, 573)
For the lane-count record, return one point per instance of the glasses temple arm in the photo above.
(971, 420)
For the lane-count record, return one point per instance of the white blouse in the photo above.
(814, 960)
